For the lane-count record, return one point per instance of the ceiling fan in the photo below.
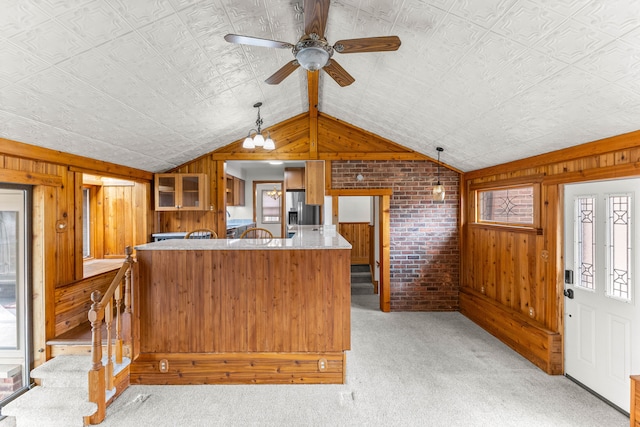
(312, 52)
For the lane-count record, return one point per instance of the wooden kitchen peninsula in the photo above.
(231, 311)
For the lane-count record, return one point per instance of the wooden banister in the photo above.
(101, 377)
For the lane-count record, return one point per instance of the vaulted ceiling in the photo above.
(153, 84)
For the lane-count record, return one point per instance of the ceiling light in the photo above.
(312, 58)
(258, 140)
(275, 193)
(312, 52)
(438, 189)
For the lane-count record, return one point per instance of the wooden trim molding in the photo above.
(536, 343)
(594, 148)
(506, 183)
(29, 178)
(360, 192)
(84, 164)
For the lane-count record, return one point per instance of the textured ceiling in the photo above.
(152, 84)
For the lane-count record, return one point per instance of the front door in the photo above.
(601, 301)
(14, 335)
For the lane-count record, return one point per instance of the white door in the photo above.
(601, 301)
(268, 202)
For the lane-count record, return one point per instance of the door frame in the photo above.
(254, 197)
(28, 317)
(560, 244)
(384, 201)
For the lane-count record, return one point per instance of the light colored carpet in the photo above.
(404, 369)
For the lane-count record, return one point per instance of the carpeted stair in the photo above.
(361, 280)
(61, 400)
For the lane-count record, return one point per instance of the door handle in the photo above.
(568, 293)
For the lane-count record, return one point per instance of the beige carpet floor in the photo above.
(404, 369)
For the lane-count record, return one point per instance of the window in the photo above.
(585, 241)
(614, 213)
(619, 246)
(270, 208)
(514, 205)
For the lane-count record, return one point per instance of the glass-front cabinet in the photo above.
(183, 191)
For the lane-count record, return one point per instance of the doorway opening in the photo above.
(376, 247)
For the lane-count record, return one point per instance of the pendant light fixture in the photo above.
(275, 193)
(438, 189)
(258, 140)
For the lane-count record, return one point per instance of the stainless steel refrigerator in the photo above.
(298, 212)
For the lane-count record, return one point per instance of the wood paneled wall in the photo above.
(359, 235)
(124, 213)
(57, 221)
(522, 271)
(73, 301)
(214, 218)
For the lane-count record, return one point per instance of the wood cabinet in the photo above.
(235, 324)
(314, 182)
(235, 191)
(181, 191)
(294, 178)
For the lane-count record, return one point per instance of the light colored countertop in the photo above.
(305, 237)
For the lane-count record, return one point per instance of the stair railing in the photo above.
(101, 377)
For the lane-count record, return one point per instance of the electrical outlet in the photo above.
(322, 365)
(532, 312)
(164, 366)
(482, 290)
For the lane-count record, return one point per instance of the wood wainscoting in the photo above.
(241, 316)
(72, 301)
(534, 342)
(359, 235)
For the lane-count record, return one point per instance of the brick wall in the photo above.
(10, 381)
(425, 256)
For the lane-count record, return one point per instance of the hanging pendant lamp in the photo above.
(438, 189)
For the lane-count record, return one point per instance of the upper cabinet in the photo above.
(294, 178)
(235, 191)
(177, 191)
(314, 182)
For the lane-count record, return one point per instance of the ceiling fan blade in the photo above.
(368, 44)
(315, 16)
(338, 73)
(282, 73)
(256, 41)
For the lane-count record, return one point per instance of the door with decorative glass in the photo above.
(14, 325)
(602, 341)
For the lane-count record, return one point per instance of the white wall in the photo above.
(355, 209)
(256, 171)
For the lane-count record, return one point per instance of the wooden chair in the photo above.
(256, 233)
(201, 233)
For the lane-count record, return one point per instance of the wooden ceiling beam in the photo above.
(33, 152)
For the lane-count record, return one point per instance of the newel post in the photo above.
(96, 374)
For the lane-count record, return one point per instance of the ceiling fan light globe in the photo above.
(258, 140)
(312, 58)
(248, 143)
